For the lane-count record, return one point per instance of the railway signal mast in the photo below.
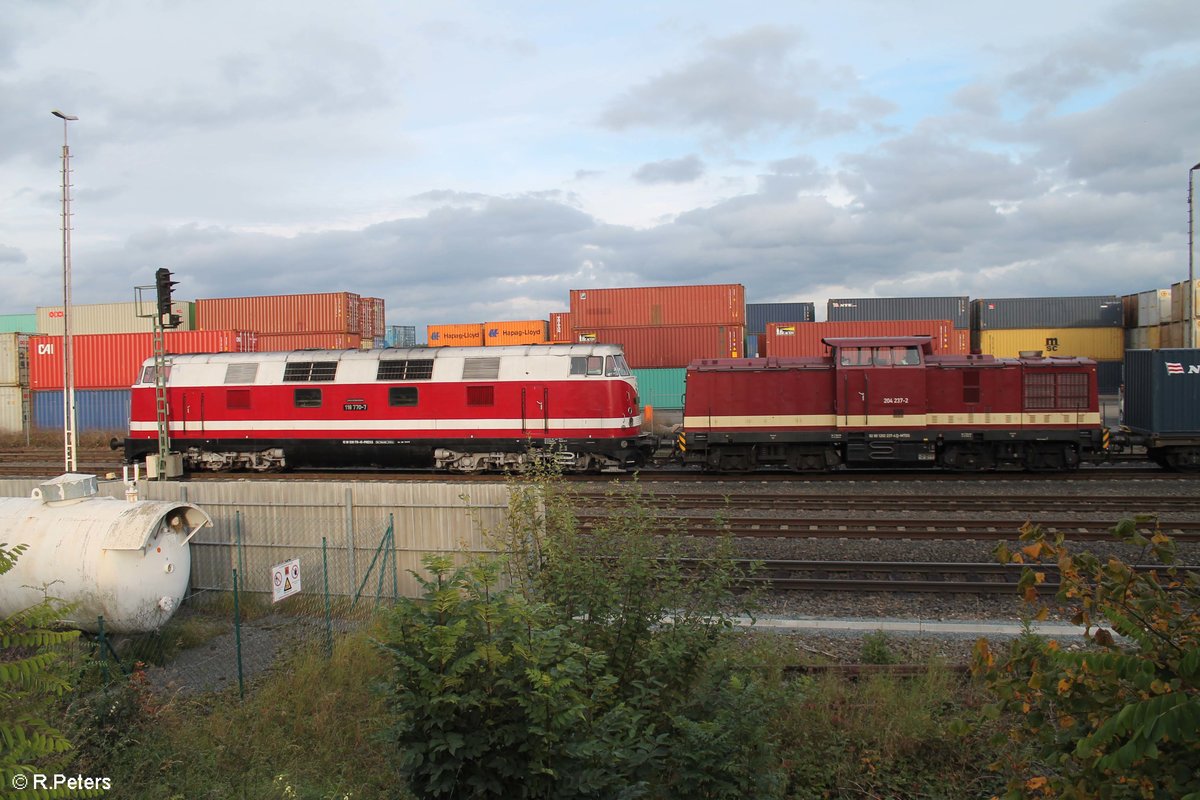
(167, 465)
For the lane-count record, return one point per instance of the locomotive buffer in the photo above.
(166, 464)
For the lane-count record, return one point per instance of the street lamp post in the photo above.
(69, 437)
(1191, 287)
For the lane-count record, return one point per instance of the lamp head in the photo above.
(62, 116)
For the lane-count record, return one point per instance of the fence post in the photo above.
(237, 630)
(237, 527)
(328, 614)
(103, 648)
(352, 576)
(395, 577)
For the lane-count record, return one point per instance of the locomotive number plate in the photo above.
(354, 405)
(895, 400)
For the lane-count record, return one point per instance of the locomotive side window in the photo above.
(307, 398)
(590, 365)
(579, 365)
(855, 356)
(402, 396)
(396, 369)
(595, 365)
(148, 374)
(309, 371)
(481, 395)
(237, 399)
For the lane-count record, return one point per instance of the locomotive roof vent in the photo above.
(71, 486)
(1030, 354)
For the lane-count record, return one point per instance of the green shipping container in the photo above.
(18, 323)
(661, 388)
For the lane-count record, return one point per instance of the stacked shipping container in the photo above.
(14, 379)
(863, 309)
(112, 317)
(759, 315)
(1087, 327)
(663, 327)
(806, 338)
(332, 312)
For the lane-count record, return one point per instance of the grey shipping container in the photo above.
(865, 309)
(1162, 391)
(95, 409)
(759, 314)
(1012, 313)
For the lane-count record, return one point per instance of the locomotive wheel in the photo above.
(968, 458)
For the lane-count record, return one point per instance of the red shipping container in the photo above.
(649, 347)
(804, 338)
(722, 304)
(286, 313)
(112, 360)
(275, 342)
(560, 327)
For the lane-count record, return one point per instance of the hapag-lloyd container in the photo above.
(466, 334)
(275, 342)
(112, 360)
(805, 338)
(530, 331)
(675, 346)
(864, 309)
(285, 313)
(719, 304)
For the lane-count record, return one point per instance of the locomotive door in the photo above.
(535, 410)
(880, 386)
(853, 387)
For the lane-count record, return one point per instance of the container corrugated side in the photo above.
(1008, 313)
(1183, 301)
(758, 315)
(560, 327)
(1162, 391)
(675, 346)
(804, 339)
(14, 355)
(1102, 344)
(276, 342)
(530, 331)
(463, 334)
(1153, 308)
(110, 317)
(12, 409)
(864, 309)
(95, 410)
(329, 312)
(661, 388)
(718, 304)
(1109, 376)
(1143, 338)
(112, 360)
(18, 323)
(401, 336)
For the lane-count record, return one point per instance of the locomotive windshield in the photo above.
(887, 356)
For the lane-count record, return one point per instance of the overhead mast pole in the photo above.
(70, 443)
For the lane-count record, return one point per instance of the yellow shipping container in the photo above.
(531, 331)
(464, 335)
(1102, 344)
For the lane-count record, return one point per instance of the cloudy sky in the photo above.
(472, 161)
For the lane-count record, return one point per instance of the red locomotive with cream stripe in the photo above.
(891, 402)
(462, 409)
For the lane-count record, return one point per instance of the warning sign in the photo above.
(285, 579)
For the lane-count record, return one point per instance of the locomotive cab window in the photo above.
(148, 374)
(589, 365)
(615, 367)
(307, 398)
(402, 396)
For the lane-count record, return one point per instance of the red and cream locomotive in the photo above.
(891, 402)
(462, 409)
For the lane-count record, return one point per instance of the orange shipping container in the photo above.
(722, 304)
(677, 346)
(111, 360)
(462, 335)
(560, 327)
(804, 338)
(286, 313)
(275, 342)
(533, 331)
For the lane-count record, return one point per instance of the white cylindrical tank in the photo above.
(126, 561)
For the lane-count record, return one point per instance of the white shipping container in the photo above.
(14, 359)
(110, 317)
(12, 413)
(1153, 307)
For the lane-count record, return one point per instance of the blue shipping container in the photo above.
(1162, 391)
(759, 314)
(18, 323)
(95, 410)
